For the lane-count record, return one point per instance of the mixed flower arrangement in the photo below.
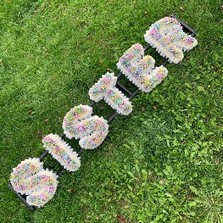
(91, 130)
(169, 39)
(31, 179)
(105, 89)
(62, 152)
(141, 70)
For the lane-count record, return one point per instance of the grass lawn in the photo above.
(162, 163)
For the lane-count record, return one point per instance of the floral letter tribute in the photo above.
(91, 130)
(62, 152)
(140, 70)
(105, 88)
(167, 36)
(169, 39)
(31, 179)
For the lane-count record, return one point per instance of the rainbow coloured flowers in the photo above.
(169, 39)
(31, 179)
(91, 130)
(105, 89)
(62, 152)
(141, 70)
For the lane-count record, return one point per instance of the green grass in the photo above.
(163, 163)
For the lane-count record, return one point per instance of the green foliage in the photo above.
(163, 163)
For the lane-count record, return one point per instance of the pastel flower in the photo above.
(62, 152)
(169, 39)
(31, 179)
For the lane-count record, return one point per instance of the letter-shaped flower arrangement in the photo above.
(105, 88)
(91, 130)
(62, 152)
(29, 177)
(140, 70)
(169, 39)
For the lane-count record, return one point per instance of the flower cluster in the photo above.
(91, 130)
(167, 36)
(105, 88)
(43, 187)
(99, 89)
(74, 116)
(62, 152)
(140, 70)
(133, 63)
(31, 179)
(157, 77)
(169, 39)
(132, 56)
